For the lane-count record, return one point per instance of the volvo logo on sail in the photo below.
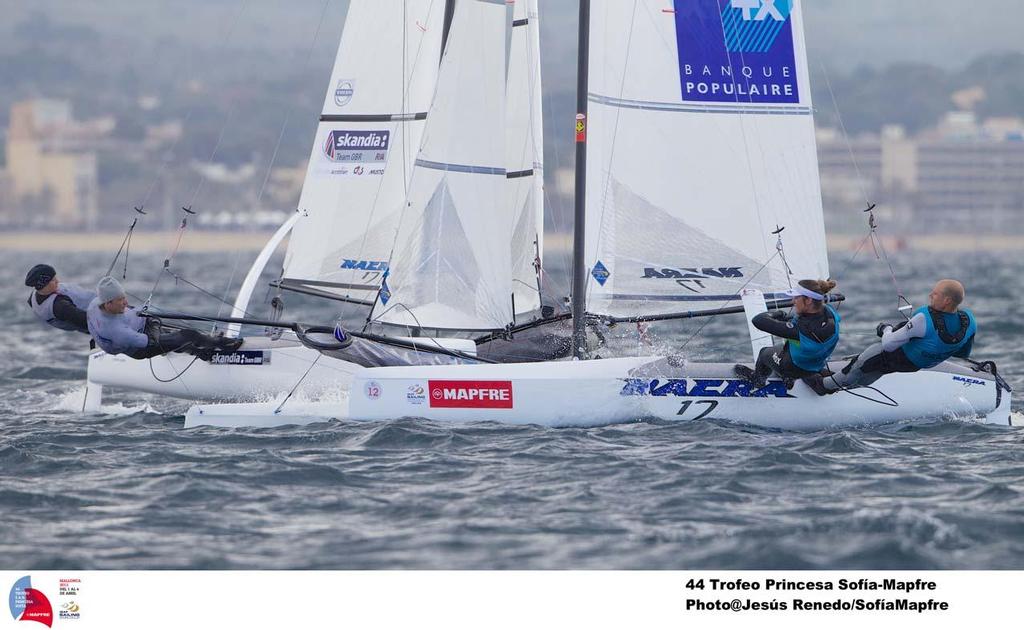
(736, 51)
(343, 93)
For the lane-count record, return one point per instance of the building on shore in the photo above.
(960, 177)
(50, 175)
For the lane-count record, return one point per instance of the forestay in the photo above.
(524, 154)
(452, 262)
(700, 143)
(370, 129)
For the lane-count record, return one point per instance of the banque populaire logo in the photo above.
(736, 51)
(29, 604)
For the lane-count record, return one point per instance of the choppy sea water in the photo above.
(129, 488)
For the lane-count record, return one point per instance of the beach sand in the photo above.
(211, 241)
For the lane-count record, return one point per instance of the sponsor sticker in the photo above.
(364, 265)
(470, 394)
(355, 152)
(967, 381)
(736, 51)
(241, 357)
(344, 92)
(600, 273)
(416, 394)
(703, 388)
(372, 390)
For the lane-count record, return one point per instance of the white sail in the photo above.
(524, 155)
(700, 143)
(370, 130)
(451, 267)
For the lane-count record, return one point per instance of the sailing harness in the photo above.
(940, 326)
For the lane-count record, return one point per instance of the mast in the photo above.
(579, 270)
(449, 13)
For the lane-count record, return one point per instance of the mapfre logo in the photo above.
(470, 394)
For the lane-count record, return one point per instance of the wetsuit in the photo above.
(128, 333)
(926, 340)
(64, 308)
(810, 340)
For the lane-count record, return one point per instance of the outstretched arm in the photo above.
(916, 327)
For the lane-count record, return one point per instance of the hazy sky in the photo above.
(841, 33)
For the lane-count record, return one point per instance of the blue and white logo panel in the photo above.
(359, 146)
(736, 51)
(600, 273)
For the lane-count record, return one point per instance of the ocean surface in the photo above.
(129, 488)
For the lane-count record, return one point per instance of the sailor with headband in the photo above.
(811, 336)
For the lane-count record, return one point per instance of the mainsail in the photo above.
(452, 262)
(700, 145)
(362, 158)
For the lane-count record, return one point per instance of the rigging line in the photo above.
(168, 155)
(176, 376)
(405, 179)
(536, 120)
(127, 249)
(615, 134)
(727, 302)
(846, 137)
(743, 132)
(188, 390)
(227, 287)
(167, 261)
(223, 129)
(277, 147)
(891, 402)
(124, 241)
(202, 180)
(418, 326)
(857, 251)
(405, 152)
(202, 290)
(879, 245)
(558, 219)
(299, 382)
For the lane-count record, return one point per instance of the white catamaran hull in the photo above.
(609, 391)
(587, 393)
(245, 375)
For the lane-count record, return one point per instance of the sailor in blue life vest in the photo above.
(933, 334)
(811, 336)
(118, 329)
(58, 304)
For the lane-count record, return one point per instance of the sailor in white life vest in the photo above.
(118, 329)
(58, 304)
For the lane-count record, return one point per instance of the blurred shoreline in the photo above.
(213, 241)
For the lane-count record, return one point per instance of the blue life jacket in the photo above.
(810, 354)
(942, 339)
